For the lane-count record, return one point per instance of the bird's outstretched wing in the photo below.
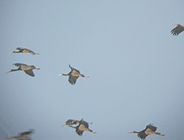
(150, 126)
(72, 79)
(84, 123)
(79, 132)
(19, 48)
(69, 122)
(142, 135)
(177, 30)
(19, 64)
(29, 72)
(26, 132)
(74, 69)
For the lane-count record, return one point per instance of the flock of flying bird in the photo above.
(74, 74)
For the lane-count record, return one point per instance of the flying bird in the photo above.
(27, 69)
(177, 30)
(70, 122)
(24, 50)
(22, 136)
(74, 74)
(149, 130)
(83, 126)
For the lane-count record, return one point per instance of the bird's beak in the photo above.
(37, 68)
(8, 72)
(64, 125)
(130, 132)
(60, 75)
(37, 53)
(175, 24)
(87, 76)
(11, 53)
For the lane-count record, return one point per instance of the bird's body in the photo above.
(149, 130)
(22, 136)
(83, 126)
(24, 50)
(177, 30)
(74, 74)
(27, 69)
(70, 122)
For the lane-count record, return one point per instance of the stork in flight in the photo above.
(149, 130)
(27, 69)
(23, 135)
(74, 74)
(70, 122)
(177, 30)
(83, 126)
(24, 50)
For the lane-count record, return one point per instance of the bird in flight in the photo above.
(24, 50)
(149, 130)
(23, 135)
(177, 30)
(70, 122)
(27, 69)
(83, 126)
(74, 74)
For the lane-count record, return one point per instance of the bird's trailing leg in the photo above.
(157, 133)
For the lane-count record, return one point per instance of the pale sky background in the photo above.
(136, 68)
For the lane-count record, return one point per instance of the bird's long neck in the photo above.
(72, 126)
(16, 52)
(13, 70)
(65, 74)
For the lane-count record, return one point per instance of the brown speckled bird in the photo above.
(24, 50)
(83, 126)
(149, 130)
(74, 74)
(22, 136)
(27, 69)
(70, 122)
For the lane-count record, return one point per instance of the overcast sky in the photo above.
(136, 68)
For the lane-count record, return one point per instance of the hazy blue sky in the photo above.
(136, 68)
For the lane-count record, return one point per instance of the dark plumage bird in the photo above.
(24, 50)
(83, 126)
(27, 69)
(70, 122)
(149, 130)
(177, 30)
(74, 74)
(22, 136)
